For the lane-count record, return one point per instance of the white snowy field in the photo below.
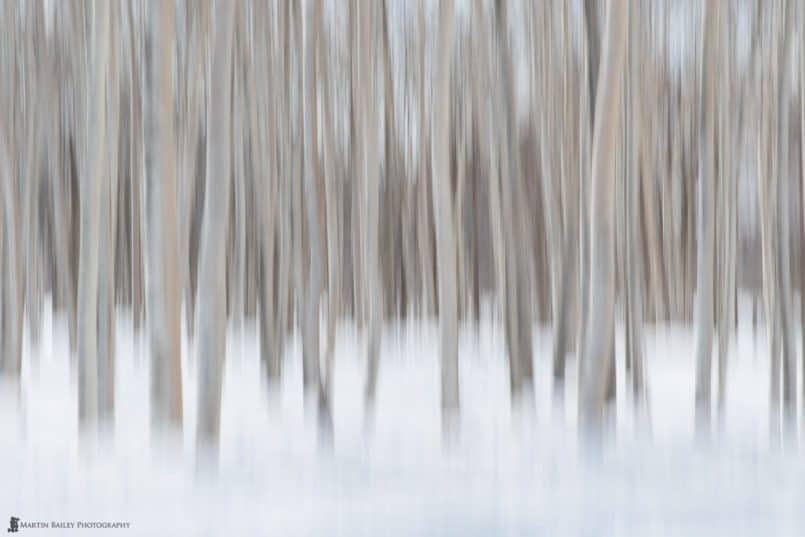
(509, 472)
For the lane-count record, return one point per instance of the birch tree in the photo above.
(598, 359)
(163, 302)
(95, 173)
(444, 219)
(212, 294)
(310, 321)
(11, 324)
(783, 262)
(106, 232)
(370, 185)
(706, 211)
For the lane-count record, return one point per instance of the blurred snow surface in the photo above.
(509, 472)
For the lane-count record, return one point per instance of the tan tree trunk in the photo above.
(90, 199)
(212, 294)
(598, 359)
(705, 269)
(444, 219)
(164, 306)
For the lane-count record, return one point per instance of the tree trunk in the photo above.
(783, 268)
(164, 306)
(598, 358)
(10, 322)
(706, 233)
(370, 174)
(310, 321)
(106, 265)
(212, 295)
(90, 194)
(444, 219)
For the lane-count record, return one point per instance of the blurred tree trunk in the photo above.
(634, 241)
(568, 262)
(370, 179)
(164, 302)
(190, 128)
(64, 295)
(543, 95)
(801, 74)
(334, 220)
(312, 293)
(424, 233)
(212, 294)
(706, 232)
(598, 359)
(138, 265)
(489, 138)
(107, 218)
(517, 313)
(264, 98)
(728, 200)
(783, 267)
(284, 256)
(94, 173)
(35, 46)
(444, 219)
(10, 321)
(766, 204)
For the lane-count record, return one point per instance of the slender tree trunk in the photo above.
(264, 158)
(634, 252)
(445, 222)
(729, 202)
(371, 187)
(334, 214)
(10, 322)
(310, 321)
(598, 359)
(706, 232)
(164, 306)
(783, 251)
(33, 272)
(212, 295)
(766, 205)
(90, 194)
(284, 195)
(108, 198)
(137, 280)
(187, 171)
(423, 220)
(801, 73)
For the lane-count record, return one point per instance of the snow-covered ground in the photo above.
(508, 473)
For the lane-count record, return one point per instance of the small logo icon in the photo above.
(13, 525)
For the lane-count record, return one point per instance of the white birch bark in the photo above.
(106, 260)
(703, 314)
(333, 197)
(783, 261)
(370, 174)
(801, 74)
(10, 322)
(423, 221)
(598, 357)
(212, 295)
(163, 304)
(444, 220)
(634, 252)
(312, 293)
(91, 180)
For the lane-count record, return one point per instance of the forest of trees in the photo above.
(577, 165)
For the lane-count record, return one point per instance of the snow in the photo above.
(509, 472)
